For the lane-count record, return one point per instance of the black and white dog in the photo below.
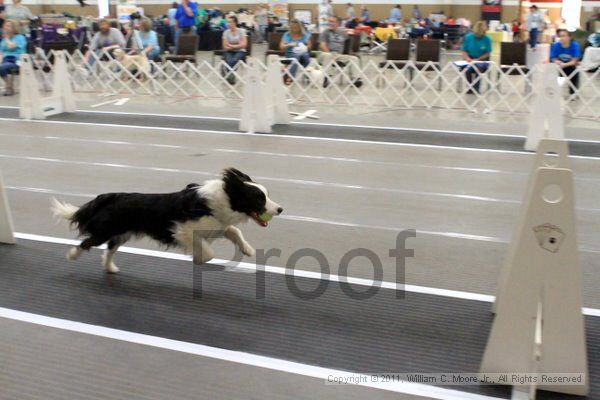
(212, 210)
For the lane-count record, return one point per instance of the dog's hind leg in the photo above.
(109, 253)
(75, 252)
(235, 235)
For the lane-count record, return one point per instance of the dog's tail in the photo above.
(63, 210)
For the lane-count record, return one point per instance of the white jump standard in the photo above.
(32, 105)
(6, 224)
(539, 325)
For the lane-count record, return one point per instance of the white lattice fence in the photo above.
(388, 85)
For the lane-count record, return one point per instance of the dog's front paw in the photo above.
(205, 255)
(111, 268)
(247, 249)
(73, 253)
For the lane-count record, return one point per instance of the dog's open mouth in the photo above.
(259, 221)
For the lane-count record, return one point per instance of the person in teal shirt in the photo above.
(147, 40)
(12, 46)
(296, 44)
(476, 49)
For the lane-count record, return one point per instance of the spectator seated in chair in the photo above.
(12, 46)
(566, 53)
(332, 45)
(104, 41)
(146, 41)
(296, 43)
(235, 42)
(476, 49)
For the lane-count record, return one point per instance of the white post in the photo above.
(30, 101)
(276, 91)
(6, 225)
(550, 153)
(546, 119)
(255, 115)
(539, 326)
(62, 83)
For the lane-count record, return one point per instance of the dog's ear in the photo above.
(192, 186)
(235, 174)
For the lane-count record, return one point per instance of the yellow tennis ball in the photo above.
(265, 217)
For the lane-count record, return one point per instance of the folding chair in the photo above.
(513, 61)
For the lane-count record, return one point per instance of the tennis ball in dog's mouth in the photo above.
(265, 217)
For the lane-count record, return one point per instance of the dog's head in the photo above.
(248, 197)
(118, 54)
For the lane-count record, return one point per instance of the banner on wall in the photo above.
(491, 10)
(279, 9)
(322, 17)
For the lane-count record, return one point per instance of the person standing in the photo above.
(12, 47)
(416, 12)
(171, 12)
(395, 14)
(350, 13)
(262, 21)
(365, 16)
(21, 14)
(476, 50)
(534, 24)
(566, 54)
(186, 18)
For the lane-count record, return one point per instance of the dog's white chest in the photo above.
(208, 228)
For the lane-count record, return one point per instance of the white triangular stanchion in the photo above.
(546, 119)
(550, 153)
(32, 104)
(539, 325)
(264, 104)
(255, 111)
(6, 225)
(276, 91)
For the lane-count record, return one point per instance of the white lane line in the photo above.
(283, 137)
(280, 180)
(275, 364)
(376, 127)
(298, 218)
(285, 155)
(456, 294)
(373, 127)
(263, 178)
(100, 141)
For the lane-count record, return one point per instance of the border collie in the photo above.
(212, 210)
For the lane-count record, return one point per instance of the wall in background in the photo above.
(470, 9)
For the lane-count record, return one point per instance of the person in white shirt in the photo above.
(533, 25)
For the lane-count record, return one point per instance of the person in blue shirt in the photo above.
(395, 14)
(296, 43)
(186, 18)
(566, 54)
(147, 40)
(476, 49)
(171, 12)
(12, 46)
(365, 16)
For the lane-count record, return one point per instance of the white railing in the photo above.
(384, 85)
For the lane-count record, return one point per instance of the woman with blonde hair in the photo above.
(476, 49)
(296, 43)
(12, 47)
(147, 40)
